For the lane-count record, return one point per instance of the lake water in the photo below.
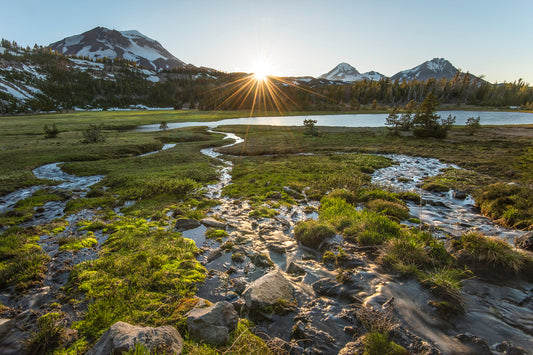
(353, 120)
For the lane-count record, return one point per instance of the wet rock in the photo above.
(509, 349)
(476, 344)
(213, 323)
(327, 287)
(239, 284)
(351, 348)
(121, 337)
(184, 224)
(278, 248)
(214, 254)
(311, 335)
(213, 223)
(295, 269)
(524, 241)
(268, 290)
(262, 260)
(460, 195)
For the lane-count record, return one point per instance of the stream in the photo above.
(323, 317)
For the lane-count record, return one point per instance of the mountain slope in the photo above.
(102, 42)
(345, 72)
(437, 68)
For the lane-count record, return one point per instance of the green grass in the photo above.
(258, 178)
(22, 261)
(510, 205)
(493, 252)
(312, 233)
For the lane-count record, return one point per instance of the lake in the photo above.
(353, 120)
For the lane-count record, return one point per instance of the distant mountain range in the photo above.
(437, 68)
(102, 42)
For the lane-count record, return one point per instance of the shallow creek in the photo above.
(322, 318)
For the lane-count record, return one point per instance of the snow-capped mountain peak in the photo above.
(437, 68)
(345, 72)
(132, 45)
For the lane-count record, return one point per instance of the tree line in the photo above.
(120, 84)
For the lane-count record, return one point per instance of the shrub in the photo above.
(93, 134)
(50, 329)
(310, 127)
(472, 125)
(312, 233)
(50, 132)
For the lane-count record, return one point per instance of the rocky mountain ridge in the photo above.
(131, 45)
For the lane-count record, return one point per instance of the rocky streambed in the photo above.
(299, 303)
(303, 305)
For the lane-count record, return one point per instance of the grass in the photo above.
(259, 178)
(482, 250)
(22, 261)
(312, 233)
(49, 334)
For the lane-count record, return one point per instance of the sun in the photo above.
(261, 70)
(260, 76)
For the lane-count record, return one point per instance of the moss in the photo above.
(74, 243)
(377, 343)
(238, 257)
(142, 273)
(329, 257)
(22, 261)
(212, 233)
(263, 212)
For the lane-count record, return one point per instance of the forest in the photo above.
(122, 83)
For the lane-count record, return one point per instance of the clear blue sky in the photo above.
(302, 37)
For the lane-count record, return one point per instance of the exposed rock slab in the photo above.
(213, 223)
(268, 290)
(184, 224)
(121, 337)
(213, 323)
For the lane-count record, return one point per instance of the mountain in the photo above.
(102, 42)
(437, 68)
(345, 72)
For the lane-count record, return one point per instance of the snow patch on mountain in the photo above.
(131, 45)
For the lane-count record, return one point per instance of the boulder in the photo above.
(267, 291)
(477, 344)
(295, 269)
(524, 241)
(213, 323)
(183, 224)
(460, 195)
(121, 337)
(213, 223)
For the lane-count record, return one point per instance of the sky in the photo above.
(493, 38)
